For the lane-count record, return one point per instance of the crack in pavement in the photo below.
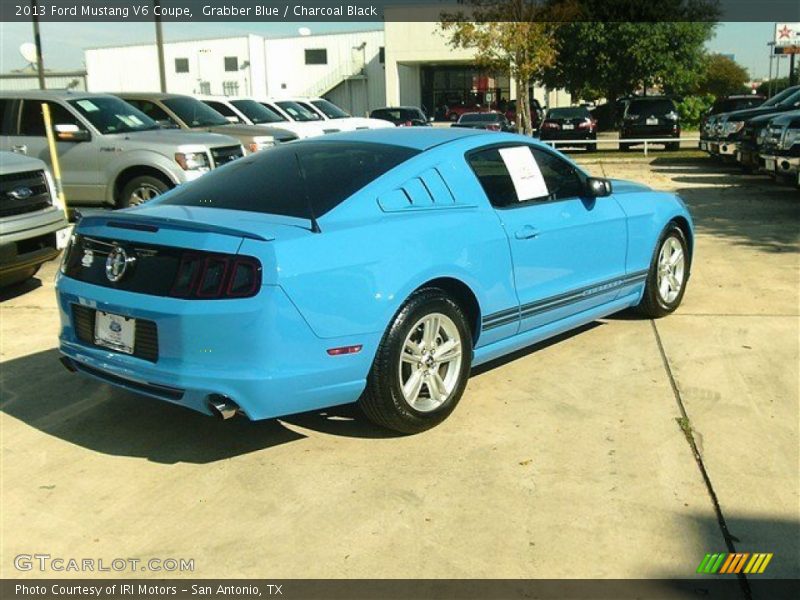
(684, 422)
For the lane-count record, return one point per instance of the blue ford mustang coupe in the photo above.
(374, 266)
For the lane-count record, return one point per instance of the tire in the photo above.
(591, 147)
(418, 408)
(141, 189)
(673, 146)
(659, 300)
(624, 147)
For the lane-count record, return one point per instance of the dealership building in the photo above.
(402, 64)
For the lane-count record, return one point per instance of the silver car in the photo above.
(110, 152)
(32, 222)
(187, 113)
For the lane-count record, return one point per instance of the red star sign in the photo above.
(784, 33)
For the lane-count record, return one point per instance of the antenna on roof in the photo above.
(314, 225)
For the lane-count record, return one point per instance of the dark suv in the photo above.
(652, 117)
(725, 105)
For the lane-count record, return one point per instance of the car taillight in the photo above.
(585, 124)
(493, 127)
(550, 125)
(216, 276)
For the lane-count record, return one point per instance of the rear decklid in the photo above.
(156, 240)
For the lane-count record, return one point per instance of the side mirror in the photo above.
(167, 124)
(597, 187)
(70, 133)
(232, 119)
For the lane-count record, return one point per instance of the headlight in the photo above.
(733, 127)
(791, 137)
(51, 187)
(192, 161)
(261, 144)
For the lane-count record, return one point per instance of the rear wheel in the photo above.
(624, 147)
(422, 365)
(666, 279)
(140, 190)
(673, 146)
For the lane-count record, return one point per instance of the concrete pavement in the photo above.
(571, 449)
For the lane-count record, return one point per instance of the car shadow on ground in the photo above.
(750, 210)
(19, 289)
(750, 533)
(38, 391)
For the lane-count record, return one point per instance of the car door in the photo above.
(568, 250)
(78, 160)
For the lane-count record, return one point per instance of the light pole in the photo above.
(160, 46)
(37, 40)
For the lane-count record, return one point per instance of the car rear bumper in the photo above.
(649, 132)
(258, 352)
(574, 134)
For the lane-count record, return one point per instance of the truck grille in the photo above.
(225, 154)
(22, 193)
(145, 340)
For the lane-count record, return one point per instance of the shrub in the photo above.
(692, 108)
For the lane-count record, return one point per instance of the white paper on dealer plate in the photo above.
(524, 172)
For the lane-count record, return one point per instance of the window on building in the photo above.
(230, 88)
(181, 65)
(316, 56)
(382, 55)
(231, 63)
(205, 87)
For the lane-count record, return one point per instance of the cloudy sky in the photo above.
(63, 43)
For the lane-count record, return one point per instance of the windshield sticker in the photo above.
(87, 105)
(130, 120)
(524, 172)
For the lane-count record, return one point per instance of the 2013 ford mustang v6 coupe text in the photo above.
(374, 266)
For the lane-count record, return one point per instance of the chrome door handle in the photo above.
(21, 149)
(527, 233)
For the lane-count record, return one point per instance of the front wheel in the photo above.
(673, 146)
(140, 190)
(421, 366)
(666, 279)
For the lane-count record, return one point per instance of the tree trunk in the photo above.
(523, 107)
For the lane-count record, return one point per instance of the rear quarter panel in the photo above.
(354, 276)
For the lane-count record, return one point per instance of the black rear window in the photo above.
(571, 112)
(270, 182)
(480, 118)
(655, 106)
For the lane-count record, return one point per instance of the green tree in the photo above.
(630, 45)
(516, 36)
(723, 76)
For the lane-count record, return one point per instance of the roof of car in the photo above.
(419, 138)
(149, 95)
(397, 108)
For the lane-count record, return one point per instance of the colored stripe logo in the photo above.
(732, 564)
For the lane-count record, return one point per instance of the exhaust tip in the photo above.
(223, 407)
(68, 364)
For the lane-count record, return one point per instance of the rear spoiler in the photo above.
(153, 224)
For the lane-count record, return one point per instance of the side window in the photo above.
(152, 110)
(5, 116)
(223, 109)
(558, 180)
(32, 122)
(561, 177)
(491, 171)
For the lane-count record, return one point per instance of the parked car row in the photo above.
(127, 148)
(763, 138)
